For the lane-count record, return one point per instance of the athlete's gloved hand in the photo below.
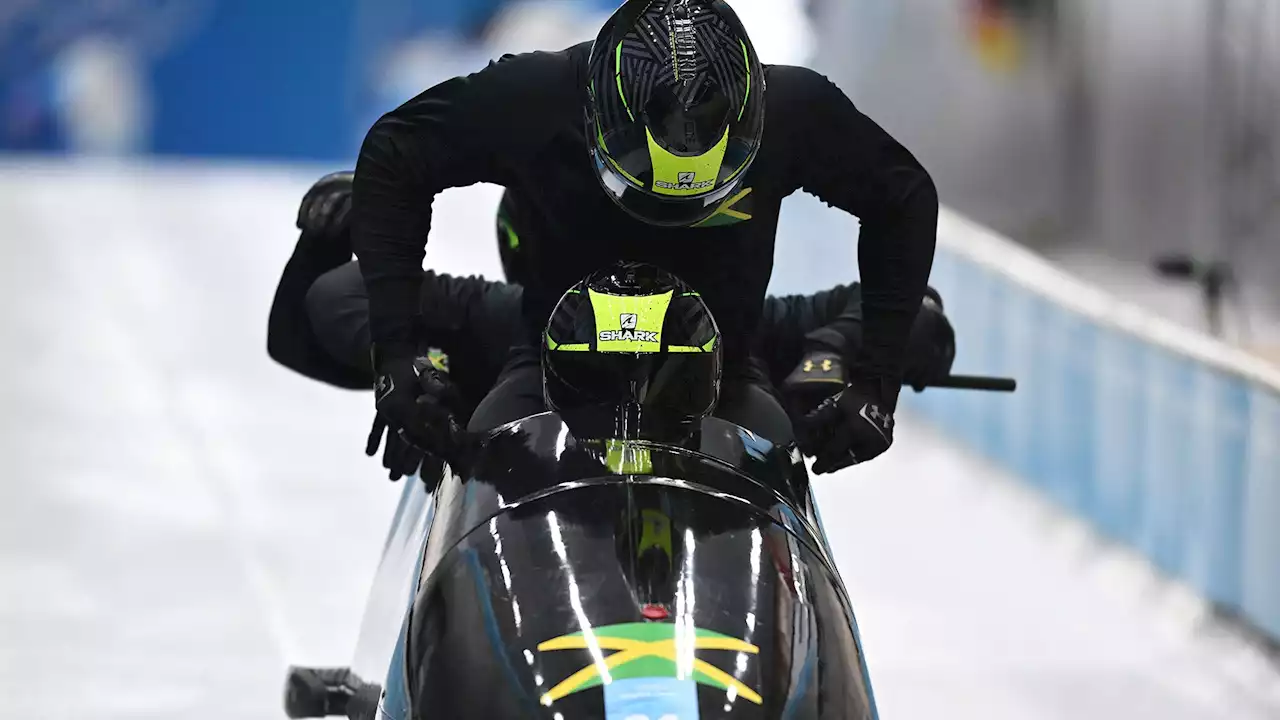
(416, 406)
(852, 426)
(326, 208)
(931, 349)
(819, 375)
(399, 457)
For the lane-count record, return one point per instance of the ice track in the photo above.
(180, 518)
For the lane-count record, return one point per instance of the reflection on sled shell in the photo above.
(573, 580)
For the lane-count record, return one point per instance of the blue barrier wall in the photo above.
(248, 83)
(270, 79)
(1162, 450)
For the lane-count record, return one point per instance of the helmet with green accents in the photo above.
(675, 108)
(635, 350)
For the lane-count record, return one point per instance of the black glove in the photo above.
(852, 426)
(931, 349)
(416, 405)
(326, 208)
(399, 457)
(818, 376)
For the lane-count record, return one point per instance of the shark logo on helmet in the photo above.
(628, 332)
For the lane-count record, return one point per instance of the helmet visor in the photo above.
(687, 130)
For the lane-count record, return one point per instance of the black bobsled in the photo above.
(565, 579)
(594, 573)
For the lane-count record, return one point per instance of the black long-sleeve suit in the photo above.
(519, 124)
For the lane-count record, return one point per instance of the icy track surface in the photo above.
(180, 518)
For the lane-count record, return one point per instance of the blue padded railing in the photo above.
(1164, 439)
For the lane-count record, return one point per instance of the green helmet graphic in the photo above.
(632, 343)
(676, 108)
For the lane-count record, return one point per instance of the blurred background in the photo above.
(1107, 136)
(181, 518)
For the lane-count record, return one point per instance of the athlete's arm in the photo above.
(848, 161)
(319, 324)
(793, 325)
(475, 322)
(464, 131)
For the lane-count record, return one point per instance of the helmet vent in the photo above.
(684, 46)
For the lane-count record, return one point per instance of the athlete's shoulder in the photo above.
(540, 70)
(515, 100)
(794, 83)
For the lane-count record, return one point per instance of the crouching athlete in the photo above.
(319, 322)
(666, 141)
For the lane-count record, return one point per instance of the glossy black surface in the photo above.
(718, 537)
(722, 458)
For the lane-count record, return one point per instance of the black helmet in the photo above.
(675, 108)
(631, 351)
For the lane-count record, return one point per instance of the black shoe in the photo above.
(324, 219)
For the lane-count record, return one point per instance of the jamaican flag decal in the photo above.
(648, 650)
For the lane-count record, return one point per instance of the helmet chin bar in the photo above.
(662, 212)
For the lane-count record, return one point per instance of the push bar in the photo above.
(976, 382)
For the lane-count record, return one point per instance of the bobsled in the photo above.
(629, 579)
